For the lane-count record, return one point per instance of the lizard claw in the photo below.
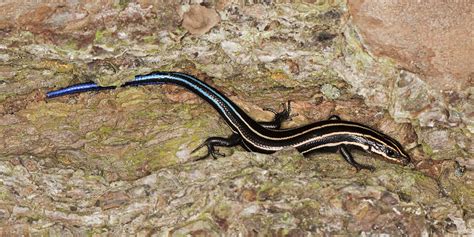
(210, 143)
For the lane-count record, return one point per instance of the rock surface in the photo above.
(198, 20)
(246, 193)
(119, 162)
(432, 38)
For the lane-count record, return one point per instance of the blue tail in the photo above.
(91, 86)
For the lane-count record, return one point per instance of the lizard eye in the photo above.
(390, 153)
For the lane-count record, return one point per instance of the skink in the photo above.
(333, 134)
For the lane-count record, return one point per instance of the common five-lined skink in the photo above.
(333, 134)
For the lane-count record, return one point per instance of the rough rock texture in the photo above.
(119, 162)
(199, 20)
(246, 193)
(431, 38)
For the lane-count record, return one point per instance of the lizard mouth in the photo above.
(404, 160)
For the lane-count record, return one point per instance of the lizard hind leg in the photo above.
(212, 142)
